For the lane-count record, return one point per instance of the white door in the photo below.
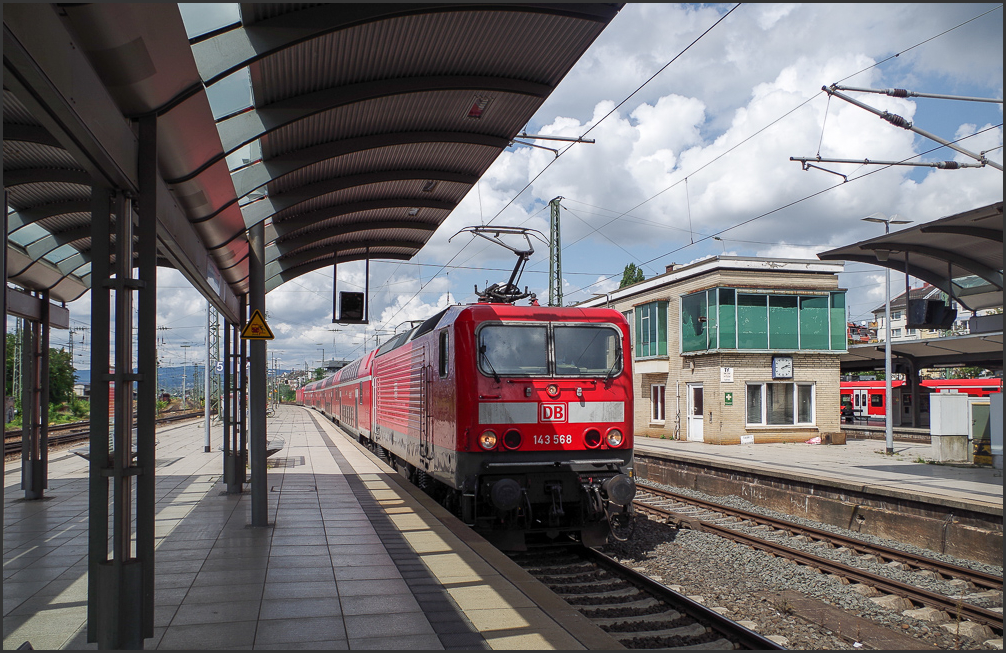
(860, 398)
(695, 408)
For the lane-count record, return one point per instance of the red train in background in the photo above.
(867, 397)
(519, 419)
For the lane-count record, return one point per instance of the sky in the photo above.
(700, 150)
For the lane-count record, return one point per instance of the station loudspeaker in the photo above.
(350, 306)
(930, 314)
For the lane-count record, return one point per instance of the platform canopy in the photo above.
(977, 349)
(368, 123)
(962, 255)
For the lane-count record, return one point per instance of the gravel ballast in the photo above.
(742, 580)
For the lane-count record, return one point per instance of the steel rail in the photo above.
(979, 578)
(78, 432)
(887, 585)
(725, 626)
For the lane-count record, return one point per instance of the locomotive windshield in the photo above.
(586, 350)
(513, 350)
(521, 350)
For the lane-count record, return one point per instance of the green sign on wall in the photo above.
(728, 398)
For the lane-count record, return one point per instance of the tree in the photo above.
(319, 374)
(61, 376)
(12, 340)
(61, 372)
(631, 275)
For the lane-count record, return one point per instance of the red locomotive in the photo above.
(517, 418)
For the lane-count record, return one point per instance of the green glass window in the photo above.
(784, 323)
(723, 318)
(752, 322)
(838, 336)
(693, 322)
(712, 339)
(727, 319)
(651, 329)
(814, 323)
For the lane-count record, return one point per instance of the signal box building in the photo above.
(733, 350)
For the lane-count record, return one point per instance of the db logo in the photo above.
(552, 413)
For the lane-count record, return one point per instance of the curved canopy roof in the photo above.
(367, 124)
(962, 255)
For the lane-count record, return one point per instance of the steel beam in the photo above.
(255, 176)
(100, 620)
(52, 76)
(242, 407)
(976, 268)
(234, 49)
(277, 280)
(265, 208)
(146, 386)
(964, 230)
(276, 230)
(30, 307)
(247, 126)
(298, 255)
(258, 397)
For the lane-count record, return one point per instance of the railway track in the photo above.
(709, 517)
(78, 432)
(636, 610)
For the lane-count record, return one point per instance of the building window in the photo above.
(896, 315)
(725, 318)
(657, 395)
(895, 333)
(651, 329)
(780, 404)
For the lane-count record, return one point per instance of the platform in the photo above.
(860, 465)
(356, 558)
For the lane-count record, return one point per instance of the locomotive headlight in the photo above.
(614, 438)
(552, 390)
(487, 440)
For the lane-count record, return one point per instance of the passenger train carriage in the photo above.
(866, 398)
(517, 418)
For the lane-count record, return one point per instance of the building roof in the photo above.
(713, 264)
(925, 292)
(366, 125)
(978, 349)
(962, 255)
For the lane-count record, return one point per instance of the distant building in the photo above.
(733, 350)
(860, 333)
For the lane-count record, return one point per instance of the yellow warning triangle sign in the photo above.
(257, 329)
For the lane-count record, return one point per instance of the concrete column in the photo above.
(257, 395)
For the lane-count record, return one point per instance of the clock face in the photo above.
(782, 367)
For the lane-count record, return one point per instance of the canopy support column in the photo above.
(258, 397)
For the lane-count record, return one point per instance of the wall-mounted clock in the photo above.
(782, 367)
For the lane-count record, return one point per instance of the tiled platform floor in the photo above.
(354, 559)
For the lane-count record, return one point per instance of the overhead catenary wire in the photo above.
(786, 206)
(591, 128)
(788, 113)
